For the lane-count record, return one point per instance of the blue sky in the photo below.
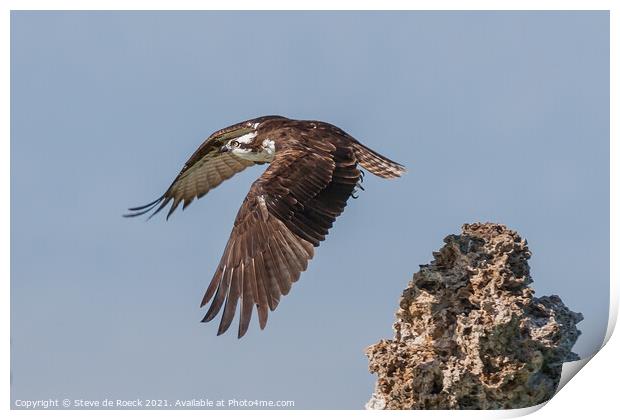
(500, 116)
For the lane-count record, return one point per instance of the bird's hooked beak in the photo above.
(224, 149)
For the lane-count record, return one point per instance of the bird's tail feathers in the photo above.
(376, 163)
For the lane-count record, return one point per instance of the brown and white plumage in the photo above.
(287, 212)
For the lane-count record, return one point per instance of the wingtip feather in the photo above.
(140, 210)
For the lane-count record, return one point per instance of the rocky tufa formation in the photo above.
(469, 333)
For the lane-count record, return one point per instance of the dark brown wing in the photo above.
(287, 213)
(205, 169)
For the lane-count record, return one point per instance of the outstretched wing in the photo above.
(287, 213)
(205, 169)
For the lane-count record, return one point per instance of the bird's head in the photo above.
(241, 140)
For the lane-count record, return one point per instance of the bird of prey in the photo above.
(312, 172)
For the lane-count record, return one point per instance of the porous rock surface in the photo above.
(469, 333)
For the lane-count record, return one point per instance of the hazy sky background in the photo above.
(498, 116)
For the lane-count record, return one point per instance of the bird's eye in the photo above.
(234, 143)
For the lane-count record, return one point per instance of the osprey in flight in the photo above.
(312, 172)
